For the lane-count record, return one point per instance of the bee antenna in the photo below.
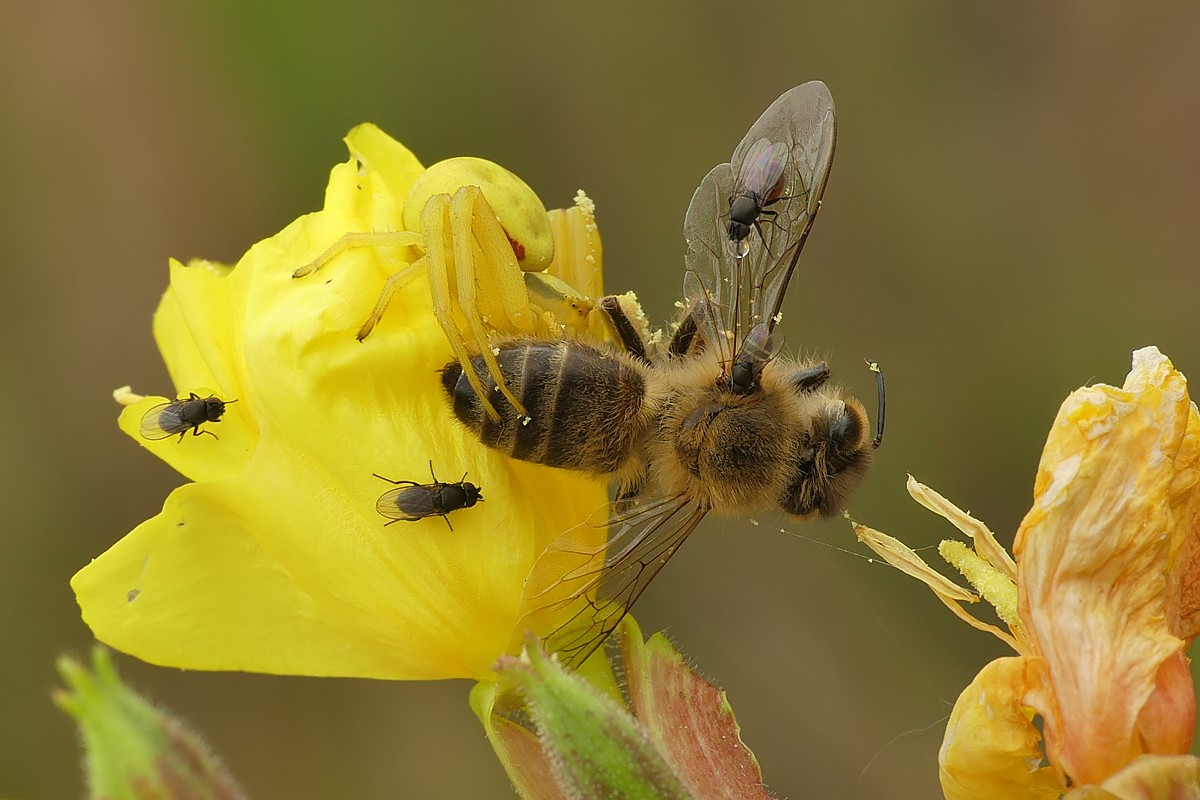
(874, 367)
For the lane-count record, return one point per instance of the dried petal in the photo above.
(1149, 777)
(981, 535)
(1093, 556)
(905, 559)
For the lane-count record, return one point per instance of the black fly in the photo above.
(760, 182)
(416, 501)
(180, 416)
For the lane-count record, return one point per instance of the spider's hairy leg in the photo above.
(434, 223)
(469, 216)
(356, 239)
(501, 295)
(394, 284)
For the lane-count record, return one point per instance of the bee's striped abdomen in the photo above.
(583, 405)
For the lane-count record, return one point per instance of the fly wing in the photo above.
(408, 503)
(163, 421)
(761, 170)
(710, 283)
(593, 578)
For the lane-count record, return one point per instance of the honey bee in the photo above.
(716, 422)
(416, 501)
(180, 416)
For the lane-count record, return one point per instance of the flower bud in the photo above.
(133, 749)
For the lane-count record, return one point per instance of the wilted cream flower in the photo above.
(1100, 603)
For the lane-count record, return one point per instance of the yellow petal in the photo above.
(1093, 560)
(203, 457)
(382, 155)
(991, 749)
(578, 255)
(277, 561)
(188, 332)
(284, 571)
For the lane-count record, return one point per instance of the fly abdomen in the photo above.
(582, 404)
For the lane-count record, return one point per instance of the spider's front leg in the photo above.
(356, 239)
(461, 248)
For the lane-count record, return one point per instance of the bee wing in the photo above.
(163, 421)
(598, 582)
(795, 138)
(803, 119)
(407, 503)
(709, 284)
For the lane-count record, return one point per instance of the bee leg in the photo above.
(358, 239)
(628, 335)
(629, 492)
(807, 380)
(686, 339)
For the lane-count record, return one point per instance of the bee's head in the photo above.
(831, 462)
(847, 453)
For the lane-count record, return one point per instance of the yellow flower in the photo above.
(1100, 605)
(274, 559)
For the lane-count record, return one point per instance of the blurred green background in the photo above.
(1012, 211)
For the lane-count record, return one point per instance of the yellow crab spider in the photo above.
(486, 243)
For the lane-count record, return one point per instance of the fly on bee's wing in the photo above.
(791, 146)
(592, 574)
